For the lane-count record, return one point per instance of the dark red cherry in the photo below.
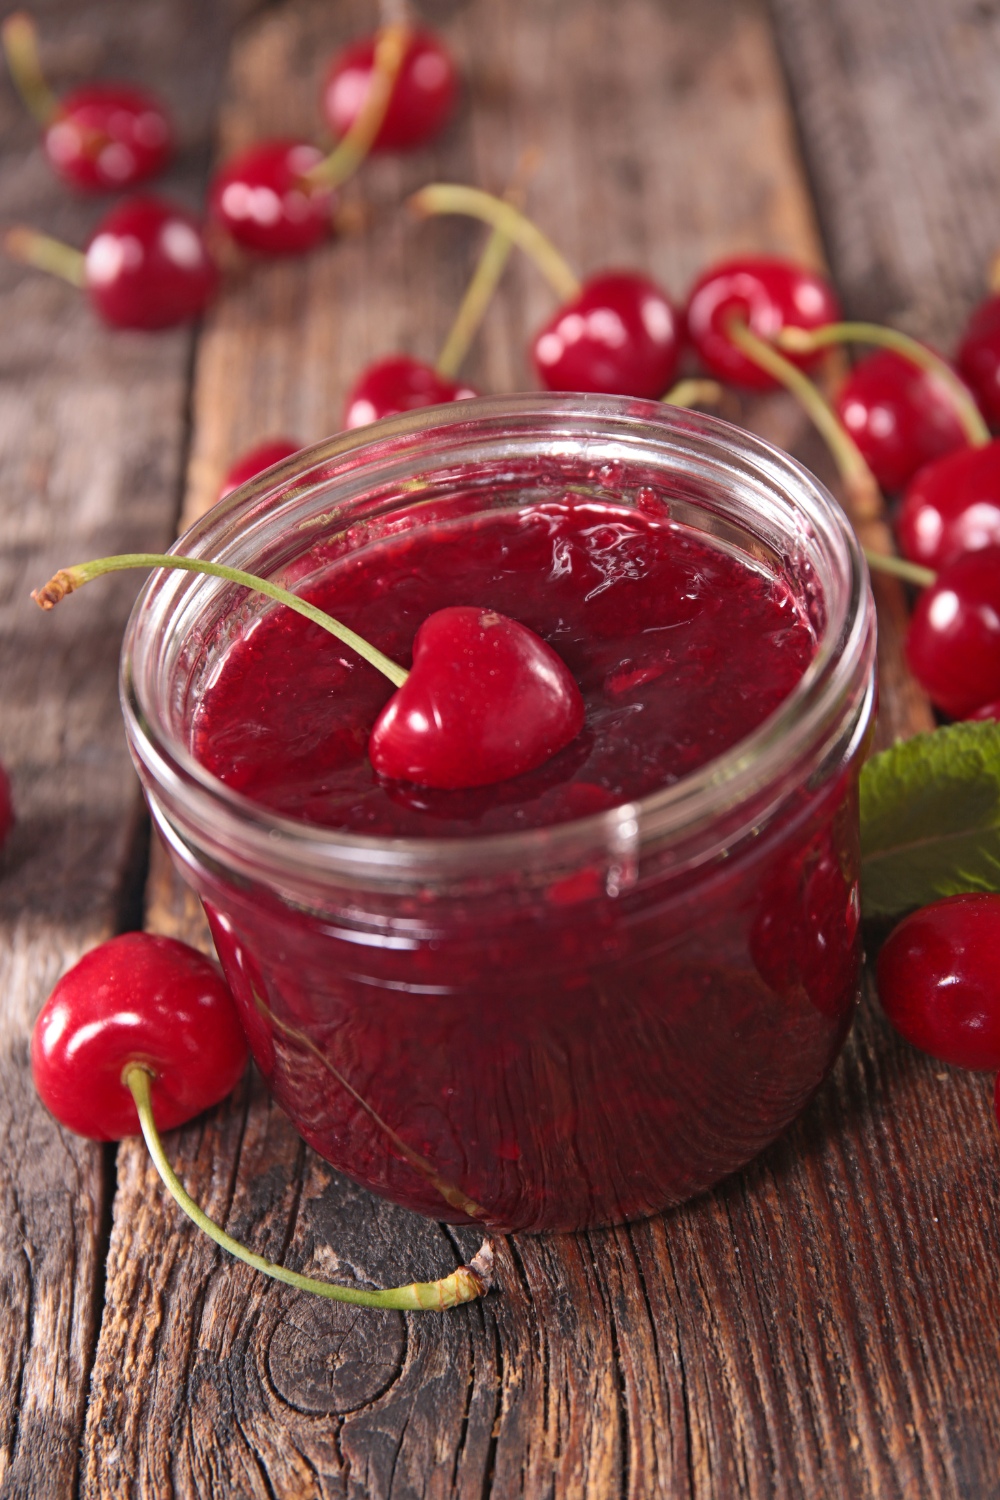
(397, 384)
(144, 999)
(618, 336)
(953, 639)
(939, 980)
(6, 807)
(422, 99)
(261, 198)
(979, 357)
(899, 416)
(147, 265)
(988, 713)
(108, 136)
(769, 294)
(255, 461)
(951, 507)
(486, 699)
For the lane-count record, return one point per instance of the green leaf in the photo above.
(930, 819)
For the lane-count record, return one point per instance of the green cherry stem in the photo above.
(346, 158)
(463, 1285)
(694, 392)
(32, 248)
(68, 579)
(809, 340)
(20, 45)
(898, 567)
(478, 295)
(454, 198)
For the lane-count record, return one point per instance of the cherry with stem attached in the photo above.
(616, 333)
(143, 1033)
(146, 267)
(102, 137)
(420, 103)
(279, 197)
(486, 699)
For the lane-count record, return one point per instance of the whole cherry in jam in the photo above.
(619, 335)
(255, 461)
(953, 639)
(147, 265)
(951, 507)
(769, 294)
(978, 357)
(136, 999)
(423, 95)
(101, 137)
(265, 201)
(486, 700)
(397, 384)
(898, 415)
(939, 980)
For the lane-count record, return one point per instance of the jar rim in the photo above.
(187, 799)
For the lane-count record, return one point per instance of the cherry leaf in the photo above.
(930, 819)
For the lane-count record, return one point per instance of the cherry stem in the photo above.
(898, 567)
(390, 50)
(854, 471)
(455, 198)
(694, 392)
(68, 579)
(32, 248)
(20, 45)
(463, 1285)
(478, 295)
(808, 340)
(993, 275)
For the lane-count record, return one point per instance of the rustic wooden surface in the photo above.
(822, 1324)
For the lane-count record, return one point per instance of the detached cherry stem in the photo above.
(20, 45)
(455, 198)
(809, 340)
(67, 580)
(463, 1285)
(347, 156)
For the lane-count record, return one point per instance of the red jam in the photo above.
(549, 1057)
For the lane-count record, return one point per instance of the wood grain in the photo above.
(91, 447)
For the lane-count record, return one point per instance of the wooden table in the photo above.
(827, 1322)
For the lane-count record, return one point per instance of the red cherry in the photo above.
(939, 980)
(147, 265)
(108, 136)
(770, 294)
(255, 461)
(979, 357)
(899, 416)
(618, 336)
(397, 384)
(261, 198)
(422, 100)
(486, 699)
(953, 639)
(137, 998)
(951, 507)
(988, 714)
(6, 807)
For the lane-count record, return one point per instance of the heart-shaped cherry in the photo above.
(101, 137)
(255, 461)
(618, 335)
(136, 999)
(486, 699)
(899, 416)
(147, 265)
(396, 384)
(422, 100)
(978, 357)
(952, 507)
(768, 294)
(264, 199)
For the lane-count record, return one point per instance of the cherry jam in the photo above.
(593, 990)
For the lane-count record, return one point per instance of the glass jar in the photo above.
(564, 1026)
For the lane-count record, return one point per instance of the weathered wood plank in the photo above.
(91, 448)
(821, 1323)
